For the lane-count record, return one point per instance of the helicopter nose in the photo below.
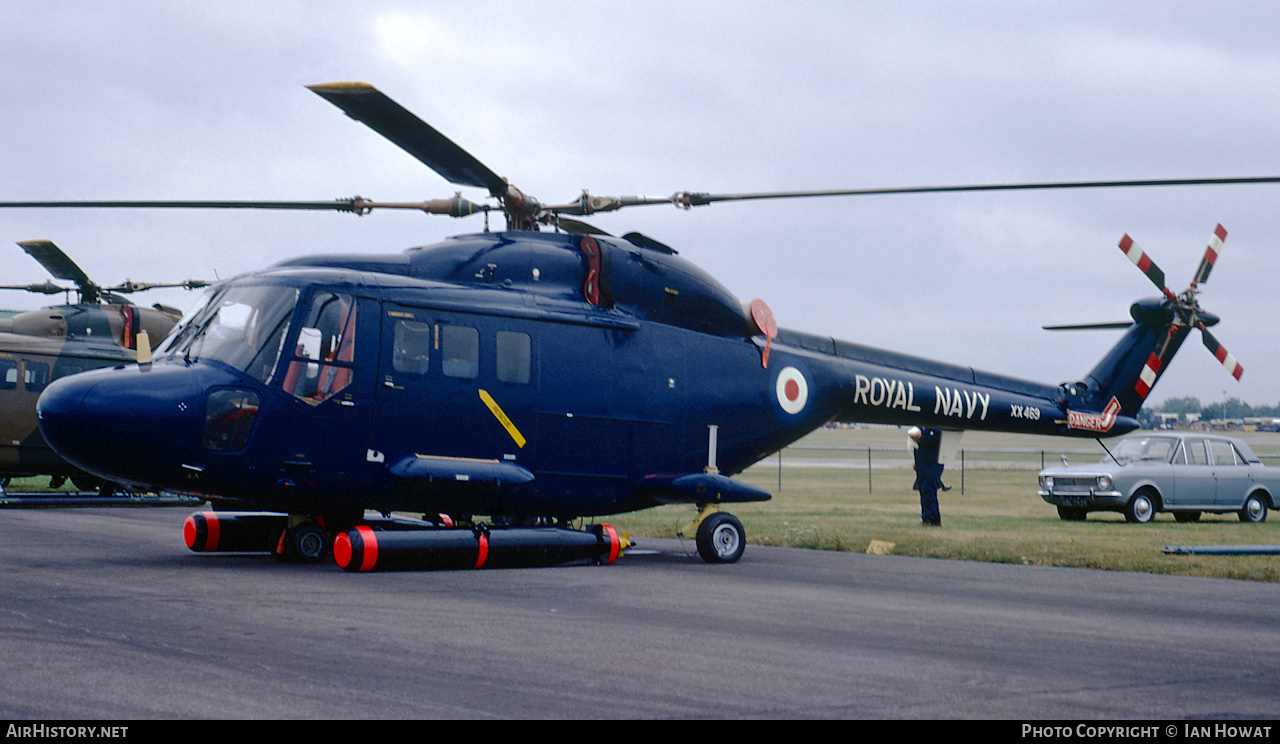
(58, 410)
(122, 424)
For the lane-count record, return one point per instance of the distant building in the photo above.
(1262, 423)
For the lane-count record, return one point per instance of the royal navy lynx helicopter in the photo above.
(100, 329)
(535, 378)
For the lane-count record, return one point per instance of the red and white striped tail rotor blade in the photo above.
(1210, 256)
(1155, 365)
(1221, 354)
(1140, 259)
(1150, 373)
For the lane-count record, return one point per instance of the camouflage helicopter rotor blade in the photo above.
(61, 266)
(48, 288)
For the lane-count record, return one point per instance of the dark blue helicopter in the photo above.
(531, 377)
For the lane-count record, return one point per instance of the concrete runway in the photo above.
(104, 614)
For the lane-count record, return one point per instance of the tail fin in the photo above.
(1121, 381)
(1128, 371)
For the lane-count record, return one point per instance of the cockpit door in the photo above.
(328, 372)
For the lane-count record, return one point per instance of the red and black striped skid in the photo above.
(201, 531)
(366, 549)
(233, 532)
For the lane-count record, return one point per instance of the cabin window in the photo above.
(412, 350)
(322, 357)
(513, 357)
(229, 417)
(35, 375)
(8, 375)
(459, 351)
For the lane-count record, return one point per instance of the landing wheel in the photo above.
(721, 538)
(86, 482)
(306, 542)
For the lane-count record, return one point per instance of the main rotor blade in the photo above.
(131, 286)
(454, 206)
(337, 205)
(691, 199)
(1210, 256)
(372, 107)
(1089, 326)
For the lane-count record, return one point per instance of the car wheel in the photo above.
(1254, 509)
(1187, 516)
(1072, 513)
(1141, 509)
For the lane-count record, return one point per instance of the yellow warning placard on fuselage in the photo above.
(501, 415)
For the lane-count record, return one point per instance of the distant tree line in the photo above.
(1189, 408)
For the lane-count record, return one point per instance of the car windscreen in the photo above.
(1144, 448)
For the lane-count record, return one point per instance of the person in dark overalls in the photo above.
(928, 473)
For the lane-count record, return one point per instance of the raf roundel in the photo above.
(792, 390)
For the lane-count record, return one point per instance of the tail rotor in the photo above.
(1184, 309)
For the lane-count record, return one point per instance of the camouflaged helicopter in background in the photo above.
(101, 329)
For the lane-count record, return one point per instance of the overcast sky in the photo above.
(206, 100)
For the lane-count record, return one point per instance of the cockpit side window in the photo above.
(412, 350)
(459, 351)
(325, 349)
(513, 357)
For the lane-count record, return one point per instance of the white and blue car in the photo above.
(1185, 473)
